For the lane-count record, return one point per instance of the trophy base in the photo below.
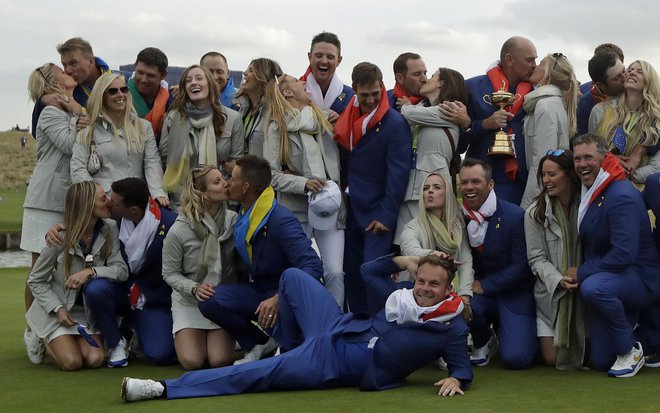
(502, 145)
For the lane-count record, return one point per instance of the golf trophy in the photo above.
(503, 143)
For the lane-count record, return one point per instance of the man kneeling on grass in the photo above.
(331, 349)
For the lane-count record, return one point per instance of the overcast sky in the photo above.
(463, 35)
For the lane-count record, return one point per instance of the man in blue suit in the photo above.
(144, 299)
(620, 275)
(651, 196)
(517, 62)
(269, 239)
(503, 286)
(337, 350)
(378, 142)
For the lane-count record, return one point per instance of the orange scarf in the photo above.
(400, 93)
(597, 94)
(499, 79)
(352, 125)
(157, 113)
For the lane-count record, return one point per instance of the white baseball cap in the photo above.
(324, 206)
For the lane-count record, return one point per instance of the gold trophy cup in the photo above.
(502, 144)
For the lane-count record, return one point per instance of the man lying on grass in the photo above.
(330, 349)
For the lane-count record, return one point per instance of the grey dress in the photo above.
(47, 279)
(181, 250)
(44, 200)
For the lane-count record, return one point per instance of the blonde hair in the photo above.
(451, 216)
(193, 198)
(264, 71)
(559, 72)
(75, 43)
(279, 108)
(78, 213)
(134, 132)
(42, 82)
(648, 112)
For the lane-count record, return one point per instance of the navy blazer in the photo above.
(480, 139)
(378, 170)
(150, 277)
(651, 196)
(402, 349)
(615, 235)
(502, 266)
(282, 244)
(342, 100)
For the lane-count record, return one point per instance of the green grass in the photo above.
(29, 388)
(11, 210)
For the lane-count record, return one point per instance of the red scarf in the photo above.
(400, 93)
(597, 94)
(499, 79)
(157, 113)
(450, 305)
(610, 165)
(135, 292)
(307, 72)
(350, 126)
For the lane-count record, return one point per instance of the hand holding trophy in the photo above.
(502, 144)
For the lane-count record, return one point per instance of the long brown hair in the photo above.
(219, 117)
(565, 163)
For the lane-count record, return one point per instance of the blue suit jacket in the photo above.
(150, 278)
(402, 349)
(378, 170)
(342, 100)
(502, 267)
(615, 234)
(282, 244)
(480, 139)
(584, 107)
(392, 99)
(651, 196)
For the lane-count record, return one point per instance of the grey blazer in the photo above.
(56, 135)
(117, 163)
(46, 280)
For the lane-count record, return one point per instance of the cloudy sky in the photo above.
(465, 35)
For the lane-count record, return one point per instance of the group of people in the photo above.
(177, 222)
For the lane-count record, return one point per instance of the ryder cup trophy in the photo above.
(502, 144)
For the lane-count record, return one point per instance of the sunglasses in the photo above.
(556, 56)
(111, 91)
(555, 152)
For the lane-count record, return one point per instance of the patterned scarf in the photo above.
(351, 125)
(251, 221)
(156, 114)
(610, 171)
(478, 224)
(597, 94)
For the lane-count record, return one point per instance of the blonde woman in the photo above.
(304, 160)
(198, 131)
(44, 201)
(198, 254)
(439, 230)
(90, 249)
(551, 120)
(249, 101)
(630, 122)
(125, 143)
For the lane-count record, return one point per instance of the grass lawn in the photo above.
(44, 388)
(11, 210)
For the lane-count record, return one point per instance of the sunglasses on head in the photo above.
(111, 91)
(556, 56)
(555, 152)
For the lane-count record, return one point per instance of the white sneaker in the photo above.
(35, 347)
(481, 356)
(133, 390)
(118, 355)
(258, 352)
(627, 365)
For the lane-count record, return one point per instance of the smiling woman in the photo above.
(117, 139)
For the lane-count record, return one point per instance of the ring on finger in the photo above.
(270, 316)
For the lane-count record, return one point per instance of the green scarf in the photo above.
(442, 239)
(209, 230)
(570, 331)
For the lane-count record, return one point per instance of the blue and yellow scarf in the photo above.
(251, 221)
